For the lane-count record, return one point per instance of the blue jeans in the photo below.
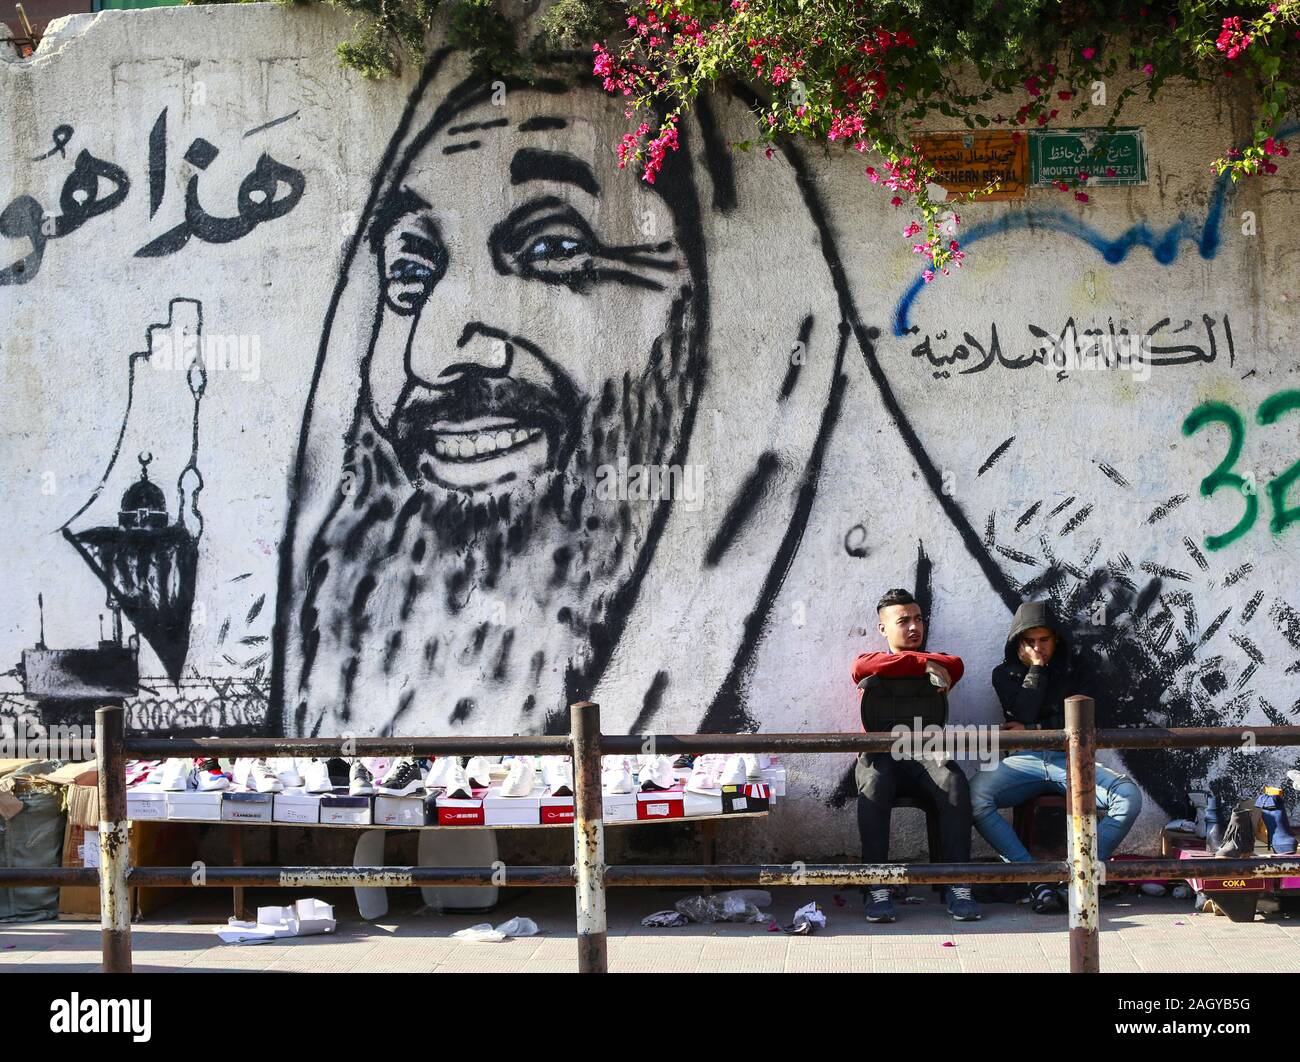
(1028, 774)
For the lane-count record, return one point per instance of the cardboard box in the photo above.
(152, 844)
(192, 804)
(456, 811)
(296, 806)
(340, 810)
(664, 804)
(243, 806)
(619, 807)
(146, 802)
(745, 799)
(556, 810)
(401, 811)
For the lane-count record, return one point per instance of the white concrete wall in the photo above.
(739, 603)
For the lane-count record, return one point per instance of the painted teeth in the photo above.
(469, 444)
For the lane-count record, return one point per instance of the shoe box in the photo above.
(619, 807)
(746, 799)
(554, 810)
(296, 805)
(501, 810)
(701, 803)
(246, 806)
(341, 808)
(661, 804)
(457, 811)
(193, 804)
(146, 802)
(401, 811)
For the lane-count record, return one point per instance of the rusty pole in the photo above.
(588, 837)
(1081, 752)
(114, 841)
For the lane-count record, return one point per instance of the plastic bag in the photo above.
(665, 918)
(722, 907)
(483, 933)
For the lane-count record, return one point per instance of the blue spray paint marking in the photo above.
(1164, 246)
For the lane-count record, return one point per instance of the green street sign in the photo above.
(1115, 156)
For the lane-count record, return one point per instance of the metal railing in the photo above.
(590, 877)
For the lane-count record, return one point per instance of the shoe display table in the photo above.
(470, 845)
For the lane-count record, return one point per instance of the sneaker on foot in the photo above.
(962, 905)
(879, 906)
(1044, 899)
(360, 781)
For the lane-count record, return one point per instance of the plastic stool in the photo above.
(1024, 815)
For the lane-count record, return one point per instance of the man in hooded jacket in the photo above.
(1032, 683)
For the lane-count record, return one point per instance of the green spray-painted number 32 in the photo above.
(1271, 410)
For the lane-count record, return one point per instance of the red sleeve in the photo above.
(905, 665)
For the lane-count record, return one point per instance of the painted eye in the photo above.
(414, 263)
(553, 249)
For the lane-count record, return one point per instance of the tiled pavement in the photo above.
(1139, 934)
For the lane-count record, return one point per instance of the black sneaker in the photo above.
(402, 778)
(684, 761)
(1044, 899)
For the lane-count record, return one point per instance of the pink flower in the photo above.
(912, 229)
(1088, 53)
(1110, 171)
(1148, 69)
(896, 201)
(1082, 197)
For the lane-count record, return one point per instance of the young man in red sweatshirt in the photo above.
(937, 781)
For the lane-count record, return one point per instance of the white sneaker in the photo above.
(656, 775)
(458, 783)
(402, 779)
(263, 779)
(316, 777)
(734, 772)
(479, 772)
(286, 769)
(703, 779)
(440, 772)
(360, 780)
(519, 782)
(208, 777)
(617, 777)
(175, 775)
(557, 776)
(753, 767)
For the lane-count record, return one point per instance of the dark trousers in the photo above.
(941, 786)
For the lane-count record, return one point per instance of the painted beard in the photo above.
(424, 608)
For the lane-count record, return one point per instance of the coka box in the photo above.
(663, 804)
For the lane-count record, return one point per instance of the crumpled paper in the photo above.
(304, 919)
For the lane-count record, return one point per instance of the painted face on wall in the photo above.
(519, 290)
(536, 321)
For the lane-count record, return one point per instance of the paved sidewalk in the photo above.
(1140, 934)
